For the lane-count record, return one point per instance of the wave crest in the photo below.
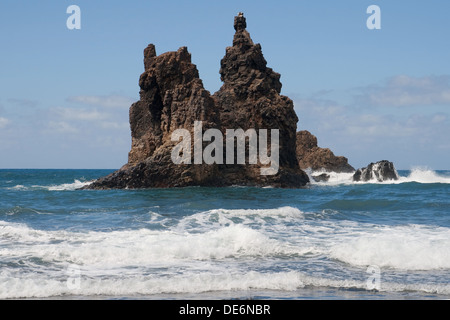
(418, 175)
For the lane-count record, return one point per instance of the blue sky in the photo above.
(366, 94)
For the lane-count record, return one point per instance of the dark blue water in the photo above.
(331, 240)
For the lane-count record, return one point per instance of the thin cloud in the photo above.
(328, 117)
(364, 135)
(73, 114)
(27, 103)
(98, 116)
(4, 122)
(111, 101)
(62, 127)
(114, 125)
(403, 91)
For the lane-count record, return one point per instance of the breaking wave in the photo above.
(418, 175)
(77, 184)
(216, 250)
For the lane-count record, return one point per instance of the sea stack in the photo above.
(172, 98)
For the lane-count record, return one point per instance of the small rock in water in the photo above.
(321, 177)
(381, 171)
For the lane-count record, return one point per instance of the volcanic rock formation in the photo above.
(172, 97)
(310, 156)
(379, 171)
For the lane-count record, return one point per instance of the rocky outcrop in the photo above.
(172, 98)
(311, 156)
(379, 171)
(250, 98)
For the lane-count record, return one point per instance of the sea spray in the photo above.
(419, 175)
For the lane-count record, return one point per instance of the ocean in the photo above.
(332, 240)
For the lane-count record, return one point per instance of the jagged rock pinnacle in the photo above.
(172, 97)
(244, 67)
(242, 37)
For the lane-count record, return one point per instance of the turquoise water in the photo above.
(329, 241)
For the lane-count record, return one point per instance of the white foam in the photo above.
(231, 280)
(115, 262)
(410, 247)
(216, 234)
(267, 221)
(419, 175)
(424, 175)
(77, 184)
(335, 177)
(206, 252)
(188, 283)
(18, 187)
(138, 247)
